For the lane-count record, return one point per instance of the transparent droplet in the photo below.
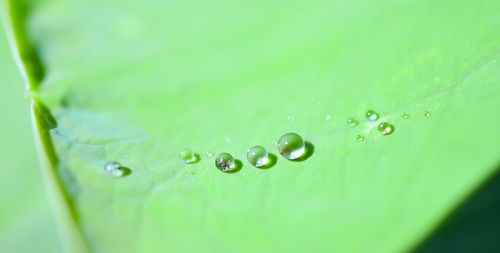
(360, 138)
(405, 115)
(209, 154)
(291, 146)
(275, 143)
(114, 168)
(352, 122)
(110, 166)
(257, 156)
(117, 172)
(291, 118)
(224, 162)
(328, 117)
(371, 115)
(427, 114)
(188, 156)
(385, 128)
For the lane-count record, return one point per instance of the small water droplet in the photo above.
(224, 162)
(405, 115)
(114, 168)
(291, 118)
(328, 117)
(371, 115)
(427, 114)
(117, 173)
(110, 166)
(360, 138)
(385, 128)
(275, 143)
(188, 156)
(352, 122)
(209, 154)
(257, 156)
(291, 146)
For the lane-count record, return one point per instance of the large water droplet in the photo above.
(257, 156)
(291, 146)
(427, 114)
(352, 122)
(371, 115)
(385, 128)
(224, 162)
(188, 156)
(360, 138)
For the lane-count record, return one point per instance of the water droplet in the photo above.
(291, 146)
(257, 156)
(291, 118)
(188, 156)
(371, 115)
(328, 117)
(352, 122)
(209, 154)
(275, 143)
(224, 162)
(427, 114)
(360, 138)
(117, 173)
(385, 128)
(405, 115)
(114, 168)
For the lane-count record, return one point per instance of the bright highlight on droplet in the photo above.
(224, 162)
(257, 156)
(385, 128)
(291, 146)
(360, 138)
(371, 115)
(328, 117)
(188, 156)
(352, 122)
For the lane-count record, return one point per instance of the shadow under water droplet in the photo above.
(126, 171)
(273, 159)
(308, 152)
(237, 167)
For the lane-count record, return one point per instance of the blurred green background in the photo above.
(26, 222)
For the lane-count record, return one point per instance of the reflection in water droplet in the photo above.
(371, 115)
(291, 146)
(427, 114)
(405, 115)
(360, 138)
(352, 122)
(385, 128)
(328, 117)
(224, 162)
(257, 156)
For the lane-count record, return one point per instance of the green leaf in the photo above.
(137, 81)
(25, 214)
